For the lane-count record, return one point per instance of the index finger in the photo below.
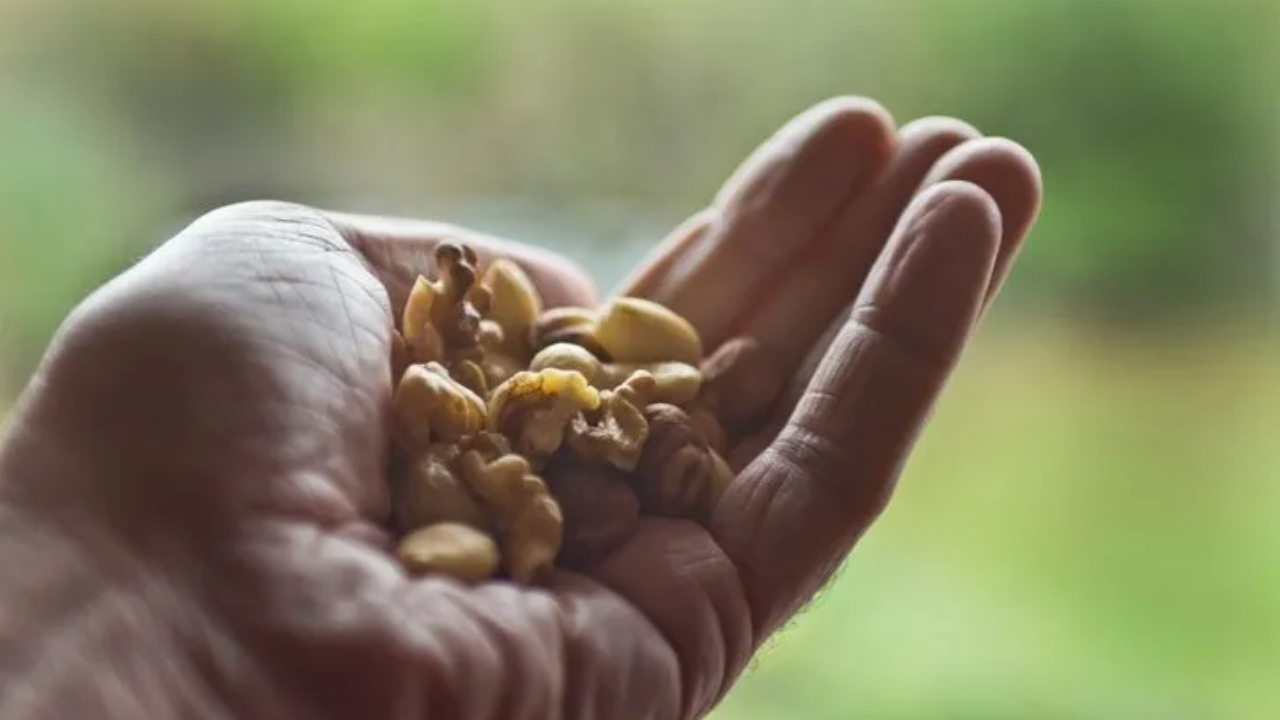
(791, 516)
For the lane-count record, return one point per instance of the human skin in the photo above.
(192, 486)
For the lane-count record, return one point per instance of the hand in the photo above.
(193, 480)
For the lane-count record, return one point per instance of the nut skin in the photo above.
(449, 549)
(741, 384)
(600, 510)
(677, 474)
(635, 330)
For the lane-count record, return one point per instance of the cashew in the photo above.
(450, 549)
(634, 330)
(515, 305)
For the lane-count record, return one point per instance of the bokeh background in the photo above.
(1091, 525)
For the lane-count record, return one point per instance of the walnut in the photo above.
(428, 491)
(616, 431)
(678, 475)
(453, 312)
(450, 549)
(740, 384)
(673, 382)
(533, 409)
(572, 325)
(428, 406)
(530, 521)
(600, 510)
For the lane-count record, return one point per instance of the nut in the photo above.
(428, 491)
(452, 312)
(677, 475)
(635, 330)
(674, 382)
(617, 430)
(530, 519)
(533, 539)
(599, 507)
(533, 408)
(505, 484)
(741, 384)
(566, 325)
(449, 549)
(428, 405)
(516, 305)
(470, 375)
(419, 334)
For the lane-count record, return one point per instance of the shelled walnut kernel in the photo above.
(502, 407)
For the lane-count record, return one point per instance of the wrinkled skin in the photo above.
(193, 488)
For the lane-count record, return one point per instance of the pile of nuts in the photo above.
(529, 438)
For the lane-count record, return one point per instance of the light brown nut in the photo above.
(600, 511)
(428, 491)
(533, 408)
(573, 325)
(419, 333)
(516, 305)
(449, 549)
(635, 330)
(533, 540)
(428, 405)
(741, 383)
(674, 382)
(504, 484)
(677, 474)
(615, 432)
(569, 356)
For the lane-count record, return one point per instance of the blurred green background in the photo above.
(1091, 525)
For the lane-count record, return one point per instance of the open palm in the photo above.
(198, 464)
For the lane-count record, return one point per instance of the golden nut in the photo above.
(533, 540)
(634, 330)
(533, 408)
(428, 405)
(515, 305)
(674, 382)
(419, 333)
(428, 491)
(450, 549)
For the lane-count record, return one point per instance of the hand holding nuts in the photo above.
(531, 437)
